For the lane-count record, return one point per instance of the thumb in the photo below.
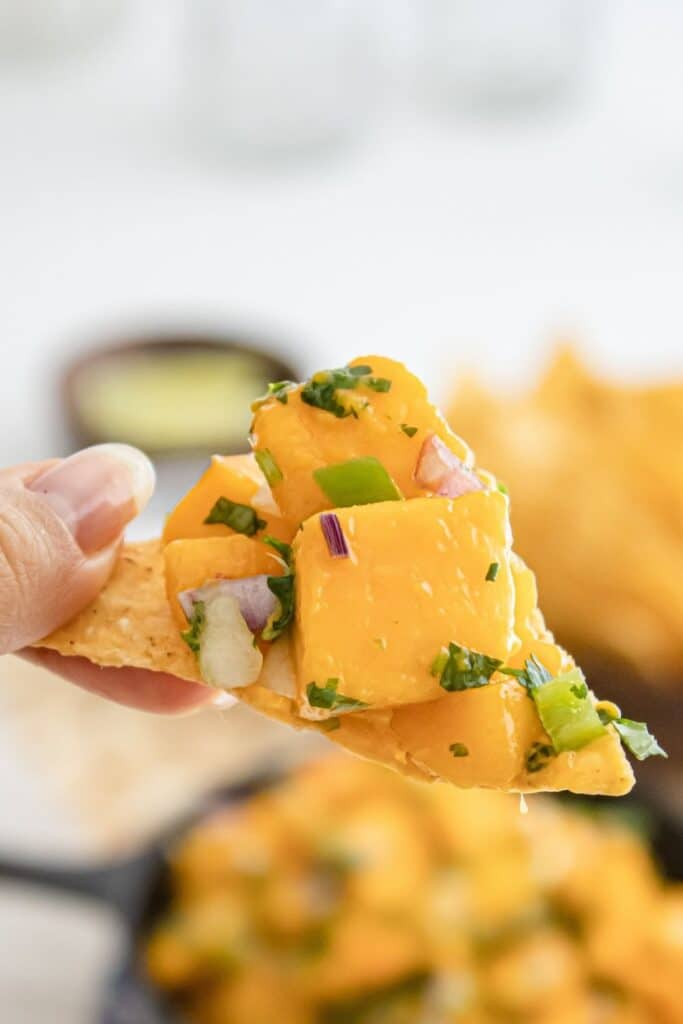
(59, 535)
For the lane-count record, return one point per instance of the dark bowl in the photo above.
(236, 355)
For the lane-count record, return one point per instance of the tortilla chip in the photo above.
(130, 623)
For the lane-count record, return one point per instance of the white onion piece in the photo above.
(278, 669)
(442, 472)
(256, 601)
(228, 658)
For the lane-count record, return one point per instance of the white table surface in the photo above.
(446, 241)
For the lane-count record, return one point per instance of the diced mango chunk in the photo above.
(493, 727)
(415, 581)
(191, 563)
(303, 438)
(236, 477)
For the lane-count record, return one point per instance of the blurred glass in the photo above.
(498, 55)
(41, 28)
(277, 77)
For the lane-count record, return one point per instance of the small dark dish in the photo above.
(170, 394)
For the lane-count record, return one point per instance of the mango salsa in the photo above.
(304, 438)
(191, 563)
(415, 580)
(236, 477)
(401, 624)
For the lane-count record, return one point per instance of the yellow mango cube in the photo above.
(236, 477)
(477, 737)
(415, 581)
(303, 438)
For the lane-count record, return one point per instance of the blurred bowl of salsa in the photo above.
(170, 393)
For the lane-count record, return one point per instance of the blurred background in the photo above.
(198, 197)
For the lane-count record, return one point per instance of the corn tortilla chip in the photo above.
(130, 623)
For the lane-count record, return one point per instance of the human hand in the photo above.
(61, 524)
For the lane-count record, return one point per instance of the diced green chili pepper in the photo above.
(357, 482)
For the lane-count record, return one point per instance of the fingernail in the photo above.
(98, 491)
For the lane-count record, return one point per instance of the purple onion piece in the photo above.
(334, 535)
(256, 600)
(441, 471)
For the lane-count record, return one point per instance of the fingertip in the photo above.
(156, 692)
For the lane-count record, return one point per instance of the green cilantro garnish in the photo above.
(462, 669)
(283, 549)
(408, 431)
(538, 756)
(570, 717)
(192, 636)
(268, 466)
(321, 390)
(327, 697)
(635, 736)
(500, 486)
(492, 572)
(278, 389)
(240, 518)
(458, 750)
(283, 588)
(533, 675)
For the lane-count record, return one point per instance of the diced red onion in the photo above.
(256, 600)
(334, 535)
(439, 470)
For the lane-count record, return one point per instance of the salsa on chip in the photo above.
(355, 575)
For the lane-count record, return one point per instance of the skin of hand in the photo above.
(61, 526)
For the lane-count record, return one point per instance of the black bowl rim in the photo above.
(165, 342)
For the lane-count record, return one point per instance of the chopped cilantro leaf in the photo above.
(579, 690)
(638, 739)
(268, 466)
(324, 396)
(283, 588)
(464, 669)
(408, 431)
(492, 572)
(192, 636)
(500, 486)
(283, 549)
(327, 697)
(439, 663)
(533, 675)
(458, 750)
(278, 389)
(538, 756)
(321, 390)
(378, 383)
(240, 518)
